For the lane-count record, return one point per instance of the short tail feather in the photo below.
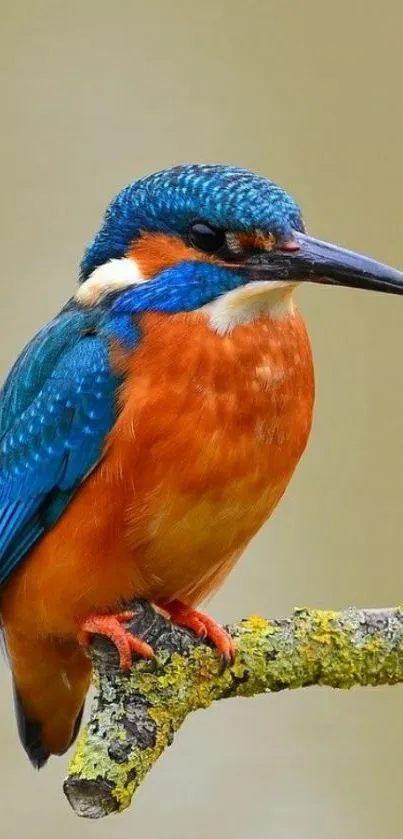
(50, 681)
(30, 733)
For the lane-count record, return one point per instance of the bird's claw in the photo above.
(204, 627)
(110, 626)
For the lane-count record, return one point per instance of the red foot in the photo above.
(203, 626)
(111, 626)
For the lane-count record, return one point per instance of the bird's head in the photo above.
(213, 237)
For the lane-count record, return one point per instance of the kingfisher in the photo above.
(149, 430)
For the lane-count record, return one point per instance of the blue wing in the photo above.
(56, 409)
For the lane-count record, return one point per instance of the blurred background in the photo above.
(95, 94)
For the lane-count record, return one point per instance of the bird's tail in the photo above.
(51, 680)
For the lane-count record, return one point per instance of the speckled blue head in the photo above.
(168, 201)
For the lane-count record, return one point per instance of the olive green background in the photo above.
(95, 94)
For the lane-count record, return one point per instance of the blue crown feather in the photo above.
(168, 201)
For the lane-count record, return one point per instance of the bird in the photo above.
(149, 430)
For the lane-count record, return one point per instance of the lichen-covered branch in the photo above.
(134, 716)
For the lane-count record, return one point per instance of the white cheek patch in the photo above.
(246, 304)
(112, 276)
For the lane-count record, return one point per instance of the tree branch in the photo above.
(135, 715)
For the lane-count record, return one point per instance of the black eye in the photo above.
(206, 238)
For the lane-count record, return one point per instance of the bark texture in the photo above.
(134, 715)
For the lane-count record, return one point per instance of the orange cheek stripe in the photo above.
(154, 252)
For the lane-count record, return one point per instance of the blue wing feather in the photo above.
(22, 542)
(33, 366)
(57, 407)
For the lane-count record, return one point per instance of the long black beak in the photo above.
(305, 258)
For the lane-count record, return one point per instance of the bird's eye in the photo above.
(206, 238)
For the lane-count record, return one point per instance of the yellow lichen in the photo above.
(374, 645)
(255, 623)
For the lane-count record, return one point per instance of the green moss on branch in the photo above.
(134, 716)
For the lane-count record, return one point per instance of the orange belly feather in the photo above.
(210, 431)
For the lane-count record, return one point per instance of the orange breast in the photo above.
(214, 426)
(210, 431)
